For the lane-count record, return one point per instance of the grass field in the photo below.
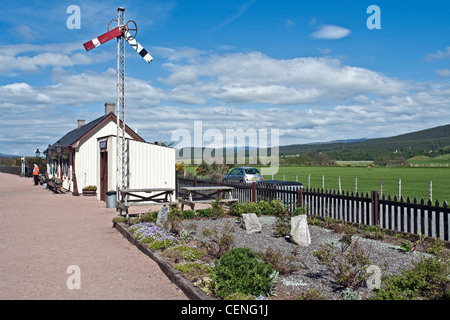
(442, 160)
(415, 180)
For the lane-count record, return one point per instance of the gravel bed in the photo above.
(312, 275)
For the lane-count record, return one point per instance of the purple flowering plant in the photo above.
(157, 237)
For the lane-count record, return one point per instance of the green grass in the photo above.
(438, 161)
(415, 180)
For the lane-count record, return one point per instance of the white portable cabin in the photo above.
(86, 156)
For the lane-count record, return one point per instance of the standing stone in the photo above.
(163, 213)
(251, 223)
(300, 231)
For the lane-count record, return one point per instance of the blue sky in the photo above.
(311, 69)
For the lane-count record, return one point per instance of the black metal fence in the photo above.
(403, 215)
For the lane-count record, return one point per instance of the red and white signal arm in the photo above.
(114, 33)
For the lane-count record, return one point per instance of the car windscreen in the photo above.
(251, 171)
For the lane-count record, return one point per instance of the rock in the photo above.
(162, 216)
(299, 230)
(251, 223)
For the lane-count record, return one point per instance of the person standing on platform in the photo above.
(36, 174)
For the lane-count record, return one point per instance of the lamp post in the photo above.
(58, 147)
(38, 153)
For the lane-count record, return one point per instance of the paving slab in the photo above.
(45, 238)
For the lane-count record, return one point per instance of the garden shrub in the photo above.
(204, 213)
(282, 227)
(241, 270)
(187, 214)
(438, 249)
(185, 252)
(283, 264)
(262, 207)
(150, 216)
(240, 296)
(347, 263)
(428, 279)
(217, 210)
(311, 294)
(219, 241)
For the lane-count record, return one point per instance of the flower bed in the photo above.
(195, 246)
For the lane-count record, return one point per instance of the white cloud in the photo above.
(330, 32)
(443, 73)
(257, 78)
(308, 99)
(439, 55)
(33, 58)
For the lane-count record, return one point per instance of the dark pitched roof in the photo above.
(78, 133)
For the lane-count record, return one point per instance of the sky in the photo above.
(313, 71)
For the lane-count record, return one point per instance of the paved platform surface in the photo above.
(43, 234)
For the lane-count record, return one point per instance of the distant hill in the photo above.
(430, 142)
(434, 141)
(7, 155)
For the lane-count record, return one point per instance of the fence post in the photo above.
(374, 204)
(430, 190)
(195, 184)
(339, 183)
(356, 184)
(253, 191)
(299, 198)
(400, 188)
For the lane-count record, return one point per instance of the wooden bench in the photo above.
(193, 195)
(55, 185)
(143, 197)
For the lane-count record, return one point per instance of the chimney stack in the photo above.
(81, 123)
(110, 107)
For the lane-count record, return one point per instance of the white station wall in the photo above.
(151, 166)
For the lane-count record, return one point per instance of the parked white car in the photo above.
(243, 174)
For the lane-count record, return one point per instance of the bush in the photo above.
(217, 210)
(266, 208)
(283, 264)
(347, 264)
(282, 227)
(428, 279)
(150, 216)
(241, 270)
(204, 213)
(219, 241)
(187, 214)
(311, 294)
(184, 252)
(180, 168)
